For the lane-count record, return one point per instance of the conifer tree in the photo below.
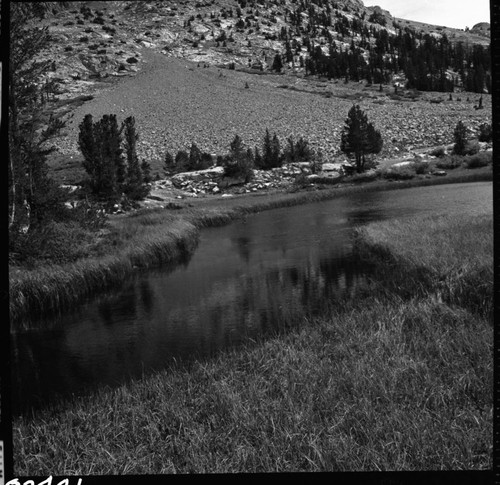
(134, 186)
(277, 63)
(194, 157)
(460, 136)
(181, 161)
(32, 194)
(359, 137)
(100, 144)
(169, 163)
(239, 162)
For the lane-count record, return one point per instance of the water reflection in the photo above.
(248, 279)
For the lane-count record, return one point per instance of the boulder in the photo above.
(230, 181)
(331, 167)
(330, 175)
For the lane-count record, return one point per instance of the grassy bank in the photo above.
(139, 243)
(152, 237)
(448, 256)
(386, 382)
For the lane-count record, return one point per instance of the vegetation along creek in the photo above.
(244, 280)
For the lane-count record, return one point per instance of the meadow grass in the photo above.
(449, 256)
(386, 381)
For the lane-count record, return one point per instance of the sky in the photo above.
(449, 13)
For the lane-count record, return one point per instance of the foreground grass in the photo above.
(382, 383)
(385, 385)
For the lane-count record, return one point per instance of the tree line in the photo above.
(423, 58)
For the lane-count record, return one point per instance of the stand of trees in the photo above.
(423, 58)
(112, 175)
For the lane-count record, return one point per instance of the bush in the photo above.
(438, 152)
(478, 160)
(399, 173)
(471, 148)
(421, 167)
(485, 132)
(449, 162)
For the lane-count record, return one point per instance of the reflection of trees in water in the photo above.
(118, 305)
(242, 244)
(262, 302)
(147, 299)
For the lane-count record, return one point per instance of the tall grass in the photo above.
(450, 256)
(136, 245)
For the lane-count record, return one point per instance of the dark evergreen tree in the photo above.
(194, 162)
(239, 162)
(169, 163)
(33, 195)
(277, 63)
(460, 137)
(181, 161)
(359, 137)
(100, 144)
(135, 186)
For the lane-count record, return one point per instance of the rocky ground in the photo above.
(175, 103)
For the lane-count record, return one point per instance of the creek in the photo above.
(246, 280)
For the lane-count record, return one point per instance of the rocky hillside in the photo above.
(200, 71)
(100, 39)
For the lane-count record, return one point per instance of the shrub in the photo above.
(485, 132)
(438, 152)
(478, 160)
(449, 162)
(398, 173)
(421, 167)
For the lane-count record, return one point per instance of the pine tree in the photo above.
(181, 161)
(258, 159)
(33, 195)
(277, 63)
(169, 163)
(194, 162)
(134, 186)
(460, 137)
(359, 137)
(100, 144)
(239, 162)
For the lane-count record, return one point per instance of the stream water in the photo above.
(244, 280)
